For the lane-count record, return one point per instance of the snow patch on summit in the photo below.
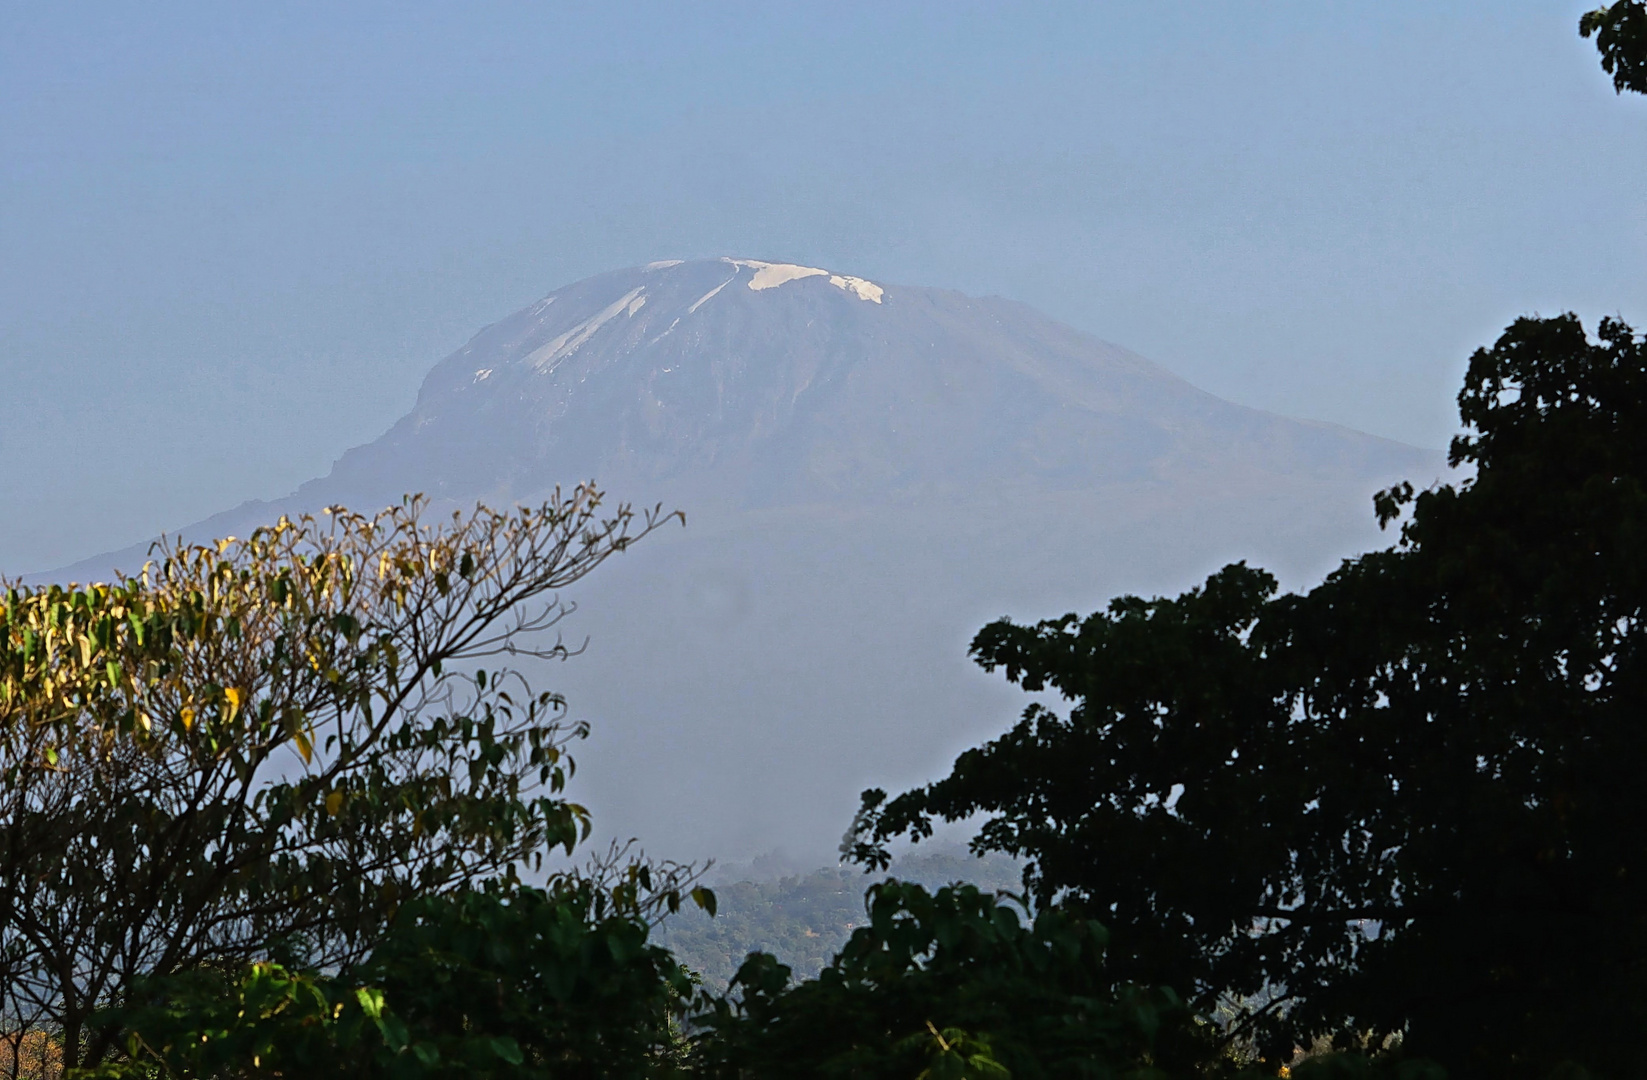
(770, 275)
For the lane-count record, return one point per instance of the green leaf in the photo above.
(507, 1049)
(371, 1001)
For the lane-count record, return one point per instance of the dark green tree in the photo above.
(1407, 801)
(1620, 30)
(566, 977)
(490, 984)
(565, 983)
(949, 985)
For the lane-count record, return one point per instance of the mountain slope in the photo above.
(791, 389)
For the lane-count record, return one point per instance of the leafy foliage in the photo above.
(259, 750)
(564, 983)
(262, 1020)
(946, 985)
(1620, 30)
(480, 984)
(567, 979)
(1405, 801)
(29, 1054)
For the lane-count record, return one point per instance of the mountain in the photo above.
(870, 472)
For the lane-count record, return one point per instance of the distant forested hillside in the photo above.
(804, 919)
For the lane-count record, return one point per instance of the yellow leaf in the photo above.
(304, 746)
(334, 803)
(187, 716)
(234, 701)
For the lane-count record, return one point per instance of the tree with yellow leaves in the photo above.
(259, 749)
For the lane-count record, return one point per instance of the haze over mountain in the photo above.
(870, 472)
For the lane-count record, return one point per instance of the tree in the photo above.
(1405, 802)
(260, 749)
(519, 984)
(564, 983)
(952, 984)
(1620, 30)
(566, 976)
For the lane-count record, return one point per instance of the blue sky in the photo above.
(234, 237)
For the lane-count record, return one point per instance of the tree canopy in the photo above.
(1405, 801)
(950, 984)
(529, 985)
(259, 749)
(1620, 30)
(493, 984)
